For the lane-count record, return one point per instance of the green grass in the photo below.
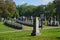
(5, 28)
(46, 34)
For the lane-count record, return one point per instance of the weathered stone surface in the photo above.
(35, 31)
(13, 25)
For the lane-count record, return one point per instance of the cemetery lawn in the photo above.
(46, 34)
(5, 28)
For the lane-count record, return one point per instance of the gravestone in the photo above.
(56, 22)
(35, 25)
(32, 19)
(53, 22)
(41, 21)
(2, 19)
(35, 31)
(13, 24)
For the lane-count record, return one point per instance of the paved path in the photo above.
(51, 27)
(11, 31)
(27, 29)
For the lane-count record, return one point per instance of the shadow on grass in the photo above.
(58, 38)
(26, 36)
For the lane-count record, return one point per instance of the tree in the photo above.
(39, 10)
(7, 8)
(50, 10)
(30, 10)
(1, 7)
(25, 10)
(21, 9)
(57, 6)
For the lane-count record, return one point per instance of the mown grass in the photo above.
(5, 28)
(46, 34)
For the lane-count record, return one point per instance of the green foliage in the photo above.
(7, 9)
(30, 10)
(51, 8)
(39, 10)
(25, 10)
(57, 6)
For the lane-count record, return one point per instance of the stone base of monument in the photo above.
(13, 25)
(35, 34)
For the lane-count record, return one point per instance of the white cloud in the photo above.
(46, 1)
(22, 2)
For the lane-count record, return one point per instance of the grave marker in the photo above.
(35, 31)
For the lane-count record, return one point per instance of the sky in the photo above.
(32, 2)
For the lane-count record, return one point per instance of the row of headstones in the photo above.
(41, 24)
(30, 23)
(13, 24)
(35, 26)
(17, 25)
(53, 22)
